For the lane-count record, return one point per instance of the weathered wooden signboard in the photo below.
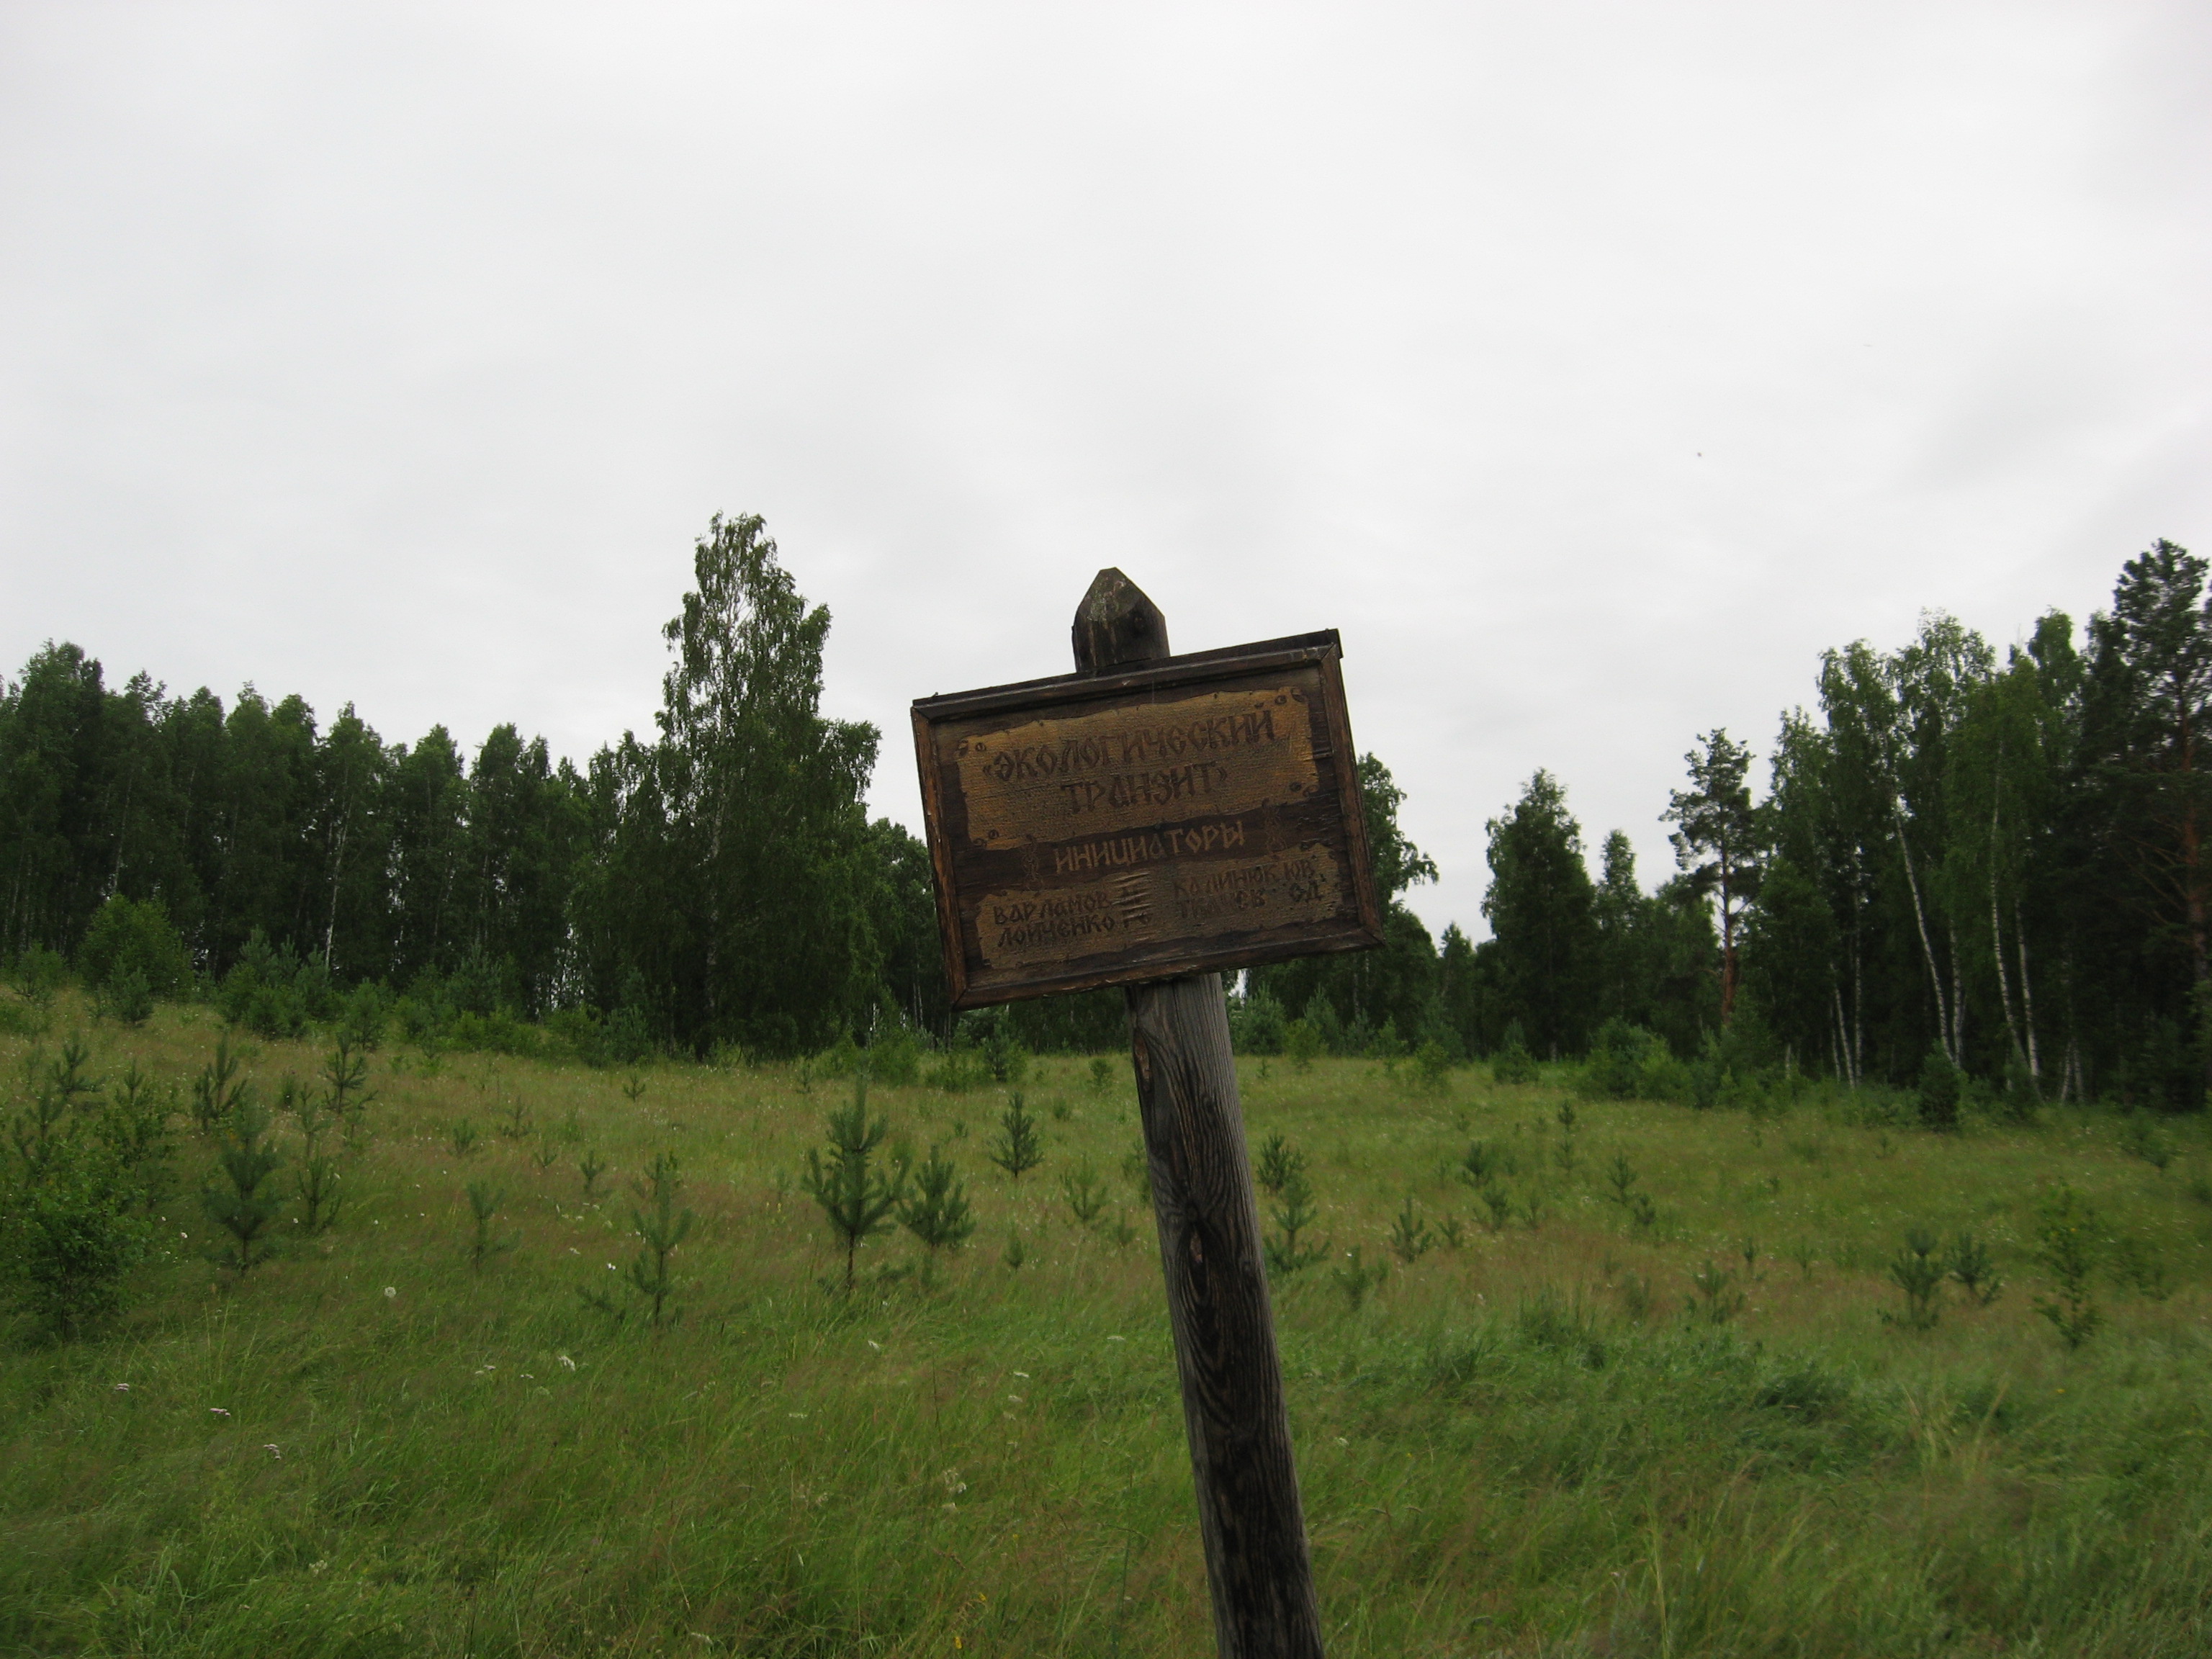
(1189, 813)
(1144, 822)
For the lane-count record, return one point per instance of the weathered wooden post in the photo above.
(1145, 816)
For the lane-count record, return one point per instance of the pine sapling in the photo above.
(322, 1182)
(1016, 1147)
(1410, 1238)
(1085, 1194)
(1919, 1273)
(483, 1205)
(1277, 1163)
(857, 1200)
(1294, 1212)
(1355, 1277)
(1969, 1263)
(248, 1208)
(464, 1138)
(345, 1074)
(661, 1228)
(1717, 1300)
(938, 1212)
(590, 1166)
(2065, 1242)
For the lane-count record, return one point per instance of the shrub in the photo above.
(1514, 1064)
(1938, 1099)
(68, 1233)
(1256, 1024)
(1302, 1044)
(1621, 1056)
(127, 936)
(895, 1058)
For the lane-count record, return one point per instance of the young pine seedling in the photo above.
(322, 1178)
(1497, 1206)
(634, 1087)
(1620, 1176)
(546, 1156)
(937, 1211)
(1085, 1194)
(218, 1090)
(1716, 1300)
(483, 1205)
(1294, 1212)
(517, 1124)
(1802, 1253)
(590, 1166)
(1969, 1263)
(246, 1206)
(1102, 1074)
(1278, 1162)
(1354, 1278)
(1017, 1147)
(345, 1074)
(1451, 1233)
(1410, 1238)
(464, 1138)
(1017, 1252)
(857, 1200)
(2065, 1239)
(1918, 1272)
(659, 1229)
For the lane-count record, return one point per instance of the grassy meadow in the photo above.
(1580, 1426)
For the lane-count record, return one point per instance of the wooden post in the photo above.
(1257, 1566)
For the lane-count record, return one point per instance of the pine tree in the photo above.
(857, 1200)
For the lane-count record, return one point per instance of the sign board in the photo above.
(1173, 817)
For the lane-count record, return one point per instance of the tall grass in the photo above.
(1519, 1443)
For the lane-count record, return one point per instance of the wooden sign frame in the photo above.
(1174, 816)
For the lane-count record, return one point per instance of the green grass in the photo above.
(1498, 1455)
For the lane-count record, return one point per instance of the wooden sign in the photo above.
(1185, 814)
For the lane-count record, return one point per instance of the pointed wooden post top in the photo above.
(1116, 624)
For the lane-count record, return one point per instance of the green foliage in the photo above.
(249, 1202)
(2066, 1241)
(1102, 1074)
(590, 1166)
(463, 1137)
(857, 1200)
(1918, 1272)
(1302, 1044)
(1017, 1146)
(936, 1211)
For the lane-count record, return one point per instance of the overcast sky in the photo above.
(1590, 369)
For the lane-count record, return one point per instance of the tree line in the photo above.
(1997, 859)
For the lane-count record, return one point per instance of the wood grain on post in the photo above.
(1257, 1563)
